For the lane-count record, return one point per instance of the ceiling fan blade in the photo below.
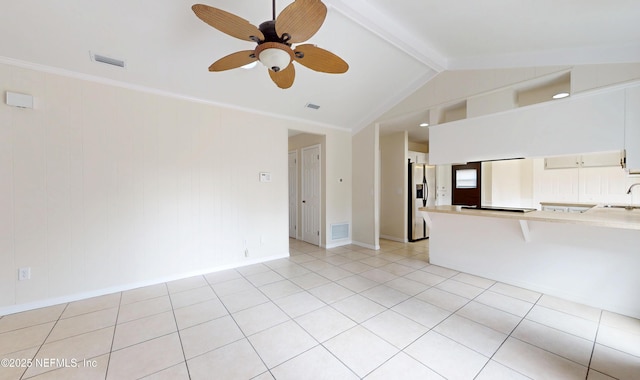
(319, 59)
(301, 20)
(233, 61)
(227, 22)
(284, 78)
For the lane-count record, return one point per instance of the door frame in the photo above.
(293, 202)
(302, 171)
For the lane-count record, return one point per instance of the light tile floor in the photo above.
(343, 313)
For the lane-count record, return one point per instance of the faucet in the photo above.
(632, 186)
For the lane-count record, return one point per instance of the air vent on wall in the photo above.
(339, 231)
(312, 106)
(108, 60)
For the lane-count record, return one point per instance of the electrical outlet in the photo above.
(24, 273)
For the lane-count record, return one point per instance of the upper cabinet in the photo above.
(592, 160)
(632, 129)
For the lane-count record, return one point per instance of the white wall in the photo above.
(366, 228)
(567, 126)
(451, 87)
(508, 183)
(393, 186)
(105, 188)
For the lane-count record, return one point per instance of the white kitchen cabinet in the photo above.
(591, 160)
(562, 162)
(595, 160)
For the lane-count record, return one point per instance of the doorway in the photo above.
(311, 182)
(466, 184)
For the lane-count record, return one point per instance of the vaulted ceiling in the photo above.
(392, 47)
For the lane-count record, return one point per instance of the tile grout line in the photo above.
(298, 324)
(236, 322)
(359, 324)
(45, 339)
(175, 321)
(507, 338)
(593, 348)
(437, 324)
(400, 350)
(113, 338)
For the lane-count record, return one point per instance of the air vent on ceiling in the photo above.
(108, 60)
(312, 106)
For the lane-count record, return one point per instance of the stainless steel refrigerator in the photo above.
(422, 193)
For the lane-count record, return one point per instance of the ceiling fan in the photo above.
(298, 22)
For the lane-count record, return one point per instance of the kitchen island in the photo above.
(591, 257)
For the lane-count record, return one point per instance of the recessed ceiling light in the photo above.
(561, 95)
(423, 125)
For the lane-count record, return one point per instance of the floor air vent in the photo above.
(339, 231)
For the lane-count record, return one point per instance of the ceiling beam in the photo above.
(388, 29)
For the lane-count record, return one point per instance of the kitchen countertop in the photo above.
(568, 204)
(596, 216)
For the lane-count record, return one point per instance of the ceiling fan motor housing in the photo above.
(268, 29)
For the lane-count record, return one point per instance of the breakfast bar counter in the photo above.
(615, 216)
(591, 257)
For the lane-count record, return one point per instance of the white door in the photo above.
(293, 194)
(311, 194)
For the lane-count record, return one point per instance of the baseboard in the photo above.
(121, 288)
(339, 243)
(393, 238)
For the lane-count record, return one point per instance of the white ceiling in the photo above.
(393, 47)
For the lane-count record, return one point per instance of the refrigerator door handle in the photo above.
(426, 186)
(425, 192)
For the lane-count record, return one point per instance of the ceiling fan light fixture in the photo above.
(275, 59)
(275, 56)
(249, 65)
